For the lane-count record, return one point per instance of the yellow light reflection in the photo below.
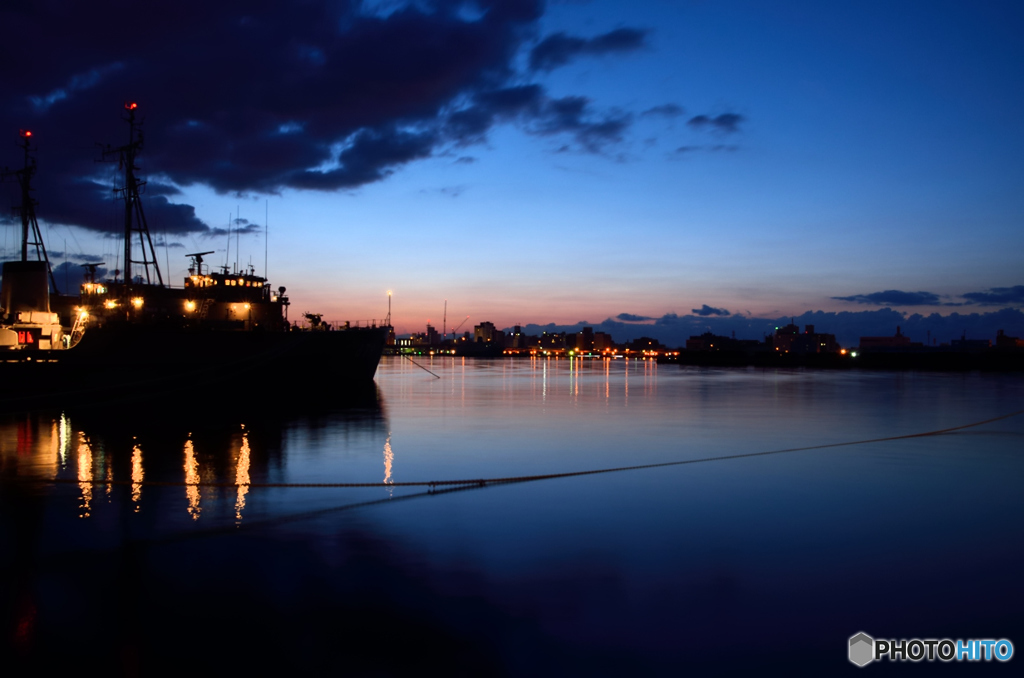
(607, 380)
(191, 478)
(242, 476)
(84, 477)
(65, 428)
(137, 476)
(389, 458)
(55, 443)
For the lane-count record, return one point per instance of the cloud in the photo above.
(238, 226)
(243, 97)
(895, 298)
(55, 255)
(539, 115)
(631, 318)
(716, 148)
(664, 110)
(726, 122)
(449, 191)
(1008, 296)
(560, 48)
(706, 310)
(572, 115)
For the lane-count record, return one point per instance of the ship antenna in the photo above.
(266, 237)
(227, 255)
(27, 209)
(134, 216)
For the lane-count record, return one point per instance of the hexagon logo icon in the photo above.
(862, 649)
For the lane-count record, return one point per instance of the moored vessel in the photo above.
(223, 334)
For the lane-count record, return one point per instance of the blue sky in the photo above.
(759, 158)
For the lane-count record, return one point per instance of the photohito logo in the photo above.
(864, 649)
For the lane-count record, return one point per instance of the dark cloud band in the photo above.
(895, 298)
(706, 310)
(726, 122)
(998, 296)
(260, 96)
(559, 49)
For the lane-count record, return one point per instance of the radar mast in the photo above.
(27, 208)
(134, 217)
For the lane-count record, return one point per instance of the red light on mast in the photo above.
(130, 106)
(26, 133)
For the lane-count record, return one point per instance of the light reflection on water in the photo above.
(242, 476)
(138, 476)
(641, 567)
(192, 492)
(85, 476)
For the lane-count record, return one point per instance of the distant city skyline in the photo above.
(672, 163)
(848, 328)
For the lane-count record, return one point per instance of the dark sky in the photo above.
(585, 159)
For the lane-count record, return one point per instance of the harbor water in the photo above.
(240, 532)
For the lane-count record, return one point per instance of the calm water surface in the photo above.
(765, 563)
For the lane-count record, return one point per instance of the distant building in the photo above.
(485, 331)
(789, 339)
(550, 340)
(603, 341)
(432, 337)
(714, 342)
(516, 339)
(899, 340)
(1005, 341)
(585, 339)
(703, 342)
(965, 344)
(645, 344)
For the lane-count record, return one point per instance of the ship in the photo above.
(223, 336)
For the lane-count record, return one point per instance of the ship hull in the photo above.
(132, 363)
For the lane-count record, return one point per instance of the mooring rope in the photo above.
(420, 366)
(481, 482)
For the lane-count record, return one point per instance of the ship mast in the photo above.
(134, 217)
(27, 208)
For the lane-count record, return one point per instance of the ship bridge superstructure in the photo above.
(222, 300)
